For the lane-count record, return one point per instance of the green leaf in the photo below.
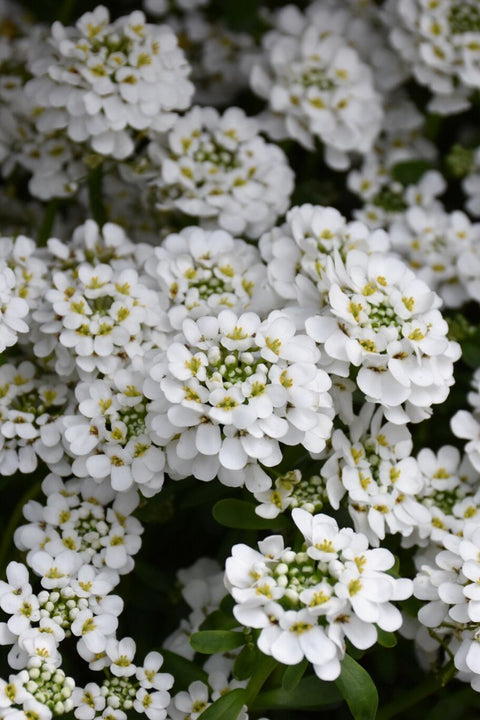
(218, 620)
(358, 689)
(245, 662)
(386, 639)
(210, 642)
(226, 707)
(310, 694)
(184, 671)
(293, 674)
(241, 514)
(409, 172)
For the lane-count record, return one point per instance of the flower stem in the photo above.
(95, 195)
(46, 226)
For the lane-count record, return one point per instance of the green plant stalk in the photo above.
(46, 226)
(7, 534)
(95, 195)
(259, 678)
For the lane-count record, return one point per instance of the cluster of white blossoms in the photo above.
(236, 387)
(102, 81)
(204, 272)
(440, 42)
(443, 250)
(317, 86)
(385, 321)
(97, 310)
(32, 408)
(372, 465)
(306, 603)
(77, 543)
(297, 252)
(110, 434)
(448, 583)
(171, 315)
(218, 168)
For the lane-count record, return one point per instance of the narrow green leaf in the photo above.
(293, 674)
(310, 694)
(184, 671)
(358, 689)
(386, 639)
(210, 642)
(245, 662)
(241, 514)
(226, 707)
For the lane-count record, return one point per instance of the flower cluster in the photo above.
(218, 168)
(317, 86)
(439, 41)
(99, 81)
(306, 603)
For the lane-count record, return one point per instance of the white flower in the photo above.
(302, 601)
(236, 387)
(318, 86)
(438, 246)
(110, 436)
(218, 168)
(439, 42)
(372, 464)
(13, 309)
(121, 654)
(386, 322)
(204, 272)
(296, 253)
(99, 81)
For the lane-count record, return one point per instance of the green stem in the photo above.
(45, 230)
(7, 533)
(259, 678)
(95, 195)
(409, 699)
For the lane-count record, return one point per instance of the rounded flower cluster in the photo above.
(218, 168)
(385, 321)
(449, 585)
(32, 408)
(296, 252)
(371, 464)
(317, 86)
(450, 494)
(306, 603)
(235, 386)
(439, 247)
(101, 81)
(97, 311)
(204, 272)
(91, 520)
(440, 41)
(110, 435)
